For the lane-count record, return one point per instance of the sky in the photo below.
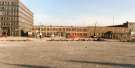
(81, 12)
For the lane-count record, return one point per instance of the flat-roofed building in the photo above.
(131, 26)
(15, 18)
(61, 31)
(121, 32)
(81, 32)
(108, 32)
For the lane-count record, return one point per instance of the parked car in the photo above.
(99, 39)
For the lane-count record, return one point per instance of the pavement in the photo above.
(66, 54)
(16, 39)
(36, 39)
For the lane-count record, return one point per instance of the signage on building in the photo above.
(29, 33)
(132, 33)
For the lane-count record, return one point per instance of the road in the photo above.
(68, 54)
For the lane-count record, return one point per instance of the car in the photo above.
(99, 39)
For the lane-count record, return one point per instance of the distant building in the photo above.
(61, 31)
(122, 32)
(15, 18)
(131, 29)
(110, 32)
(131, 26)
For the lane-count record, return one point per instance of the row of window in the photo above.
(62, 29)
(25, 14)
(25, 9)
(9, 18)
(8, 8)
(25, 24)
(9, 24)
(8, 3)
(25, 18)
(132, 29)
(8, 13)
(61, 33)
(132, 24)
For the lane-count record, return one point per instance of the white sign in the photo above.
(132, 33)
(41, 34)
(30, 33)
(52, 35)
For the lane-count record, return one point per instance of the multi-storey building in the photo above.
(15, 18)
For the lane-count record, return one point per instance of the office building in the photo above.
(15, 18)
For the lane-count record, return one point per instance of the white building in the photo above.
(131, 27)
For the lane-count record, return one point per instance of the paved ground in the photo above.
(47, 54)
(16, 39)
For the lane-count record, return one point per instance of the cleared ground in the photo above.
(52, 54)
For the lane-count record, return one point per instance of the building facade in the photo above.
(122, 32)
(15, 18)
(61, 31)
(110, 32)
(131, 26)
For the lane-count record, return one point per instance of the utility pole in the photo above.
(113, 28)
(95, 28)
(113, 20)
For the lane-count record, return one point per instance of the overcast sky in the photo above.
(81, 12)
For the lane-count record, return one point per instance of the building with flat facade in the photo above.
(131, 29)
(61, 31)
(110, 32)
(121, 32)
(131, 26)
(15, 18)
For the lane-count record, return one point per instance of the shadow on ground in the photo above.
(104, 63)
(27, 65)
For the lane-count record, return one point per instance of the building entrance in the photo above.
(5, 31)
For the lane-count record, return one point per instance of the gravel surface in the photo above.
(66, 54)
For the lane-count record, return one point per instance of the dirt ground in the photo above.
(68, 54)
